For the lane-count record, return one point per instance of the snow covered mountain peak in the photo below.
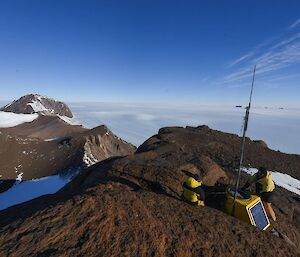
(34, 103)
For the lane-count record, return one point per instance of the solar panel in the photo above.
(259, 215)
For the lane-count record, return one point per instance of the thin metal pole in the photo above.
(244, 137)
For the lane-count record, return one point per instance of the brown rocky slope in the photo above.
(131, 206)
(35, 157)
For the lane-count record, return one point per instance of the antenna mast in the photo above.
(244, 136)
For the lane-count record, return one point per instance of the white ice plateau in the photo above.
(9, 119)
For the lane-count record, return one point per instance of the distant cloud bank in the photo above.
(135, 123)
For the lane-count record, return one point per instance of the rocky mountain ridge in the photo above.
(131, 206)
(34, 103)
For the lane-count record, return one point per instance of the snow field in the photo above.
(9, 119)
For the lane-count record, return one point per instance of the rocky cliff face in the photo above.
(51, 150)
(34, 103)
(131, 206)
(100, 143)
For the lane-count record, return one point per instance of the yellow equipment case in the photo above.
(246, 207)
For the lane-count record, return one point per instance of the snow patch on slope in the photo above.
(19, 177)
(53, 139)
(280, 179)
(37, 106)
(68, 120)
(88, 157)
(8, 105)
(9, 119)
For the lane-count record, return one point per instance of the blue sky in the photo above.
(151, 51)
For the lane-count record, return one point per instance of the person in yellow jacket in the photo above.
(192, 191)
(264, 186)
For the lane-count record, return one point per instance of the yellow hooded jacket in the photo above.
(264, 184)
(190, 191)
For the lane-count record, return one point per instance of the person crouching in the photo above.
(264, 186)
(192, 191)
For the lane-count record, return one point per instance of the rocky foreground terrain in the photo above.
(131, 206)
